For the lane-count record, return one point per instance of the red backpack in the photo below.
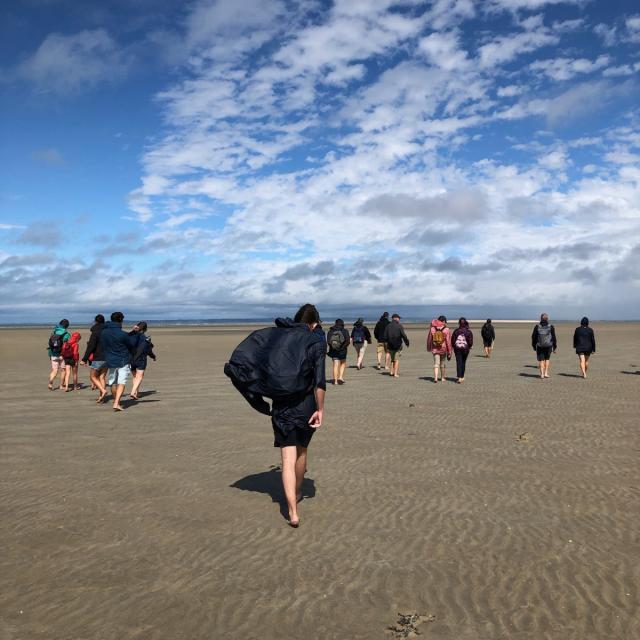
(67, 350)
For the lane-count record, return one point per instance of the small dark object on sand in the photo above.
(412, 405)
(407, 624)
(523, 437)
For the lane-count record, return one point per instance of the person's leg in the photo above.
(547, 363)
(64, 378)
(289, 458)
(117, 395)
(443, 369)
(363, 348)
(301, 467)
(540, 364)
(459, 371)
(97, 377)
(396, 366)
(379, 352)
(586, 363)
(55, 369)
(76, 386)
(343, 366)
(336, 370)
(387, 358)
(138, 374)
(463, 364)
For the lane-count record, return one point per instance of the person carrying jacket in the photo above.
(584, 342)
(287, 364)
(488, 334)
(378, 333)
(360, 337)
(394, 336)
(462, 341)
(439, 343)
(98, 367)
(117, 347)
(59, 335)
(543, 341)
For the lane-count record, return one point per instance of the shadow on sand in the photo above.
(529, 366)
(631, 373)
(270, 482)
(570, 375)
(529, 375)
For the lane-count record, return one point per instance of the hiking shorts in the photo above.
(57, 362)
(395, 354)
(381, 348)
(543, 353)
(439, 359)
(119, 375)
(487, 343)
(98, 364)
(361, 347)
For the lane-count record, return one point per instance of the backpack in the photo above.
(67, 350)
(336, 339)
(438, 338)
(545, 339)
(358, 335)
(56, 340)
(486, 332)
(273, 363)
(461, 342)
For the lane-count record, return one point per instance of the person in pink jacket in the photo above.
(439, 343)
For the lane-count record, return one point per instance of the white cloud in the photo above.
(443, 51)
(503, 49)
(71, 64)
(567, 68)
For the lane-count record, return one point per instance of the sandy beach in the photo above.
(504, 508)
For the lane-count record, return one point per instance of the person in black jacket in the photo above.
(98, 370)
(142, 349)
(584, 342)
(394, 336)
(295, 419)
(543, 341)
(378, 333)
(360, 337)
(488, 334)
(337, 344)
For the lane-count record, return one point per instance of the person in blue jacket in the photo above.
(117, 347)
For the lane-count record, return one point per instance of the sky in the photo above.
(237, 158)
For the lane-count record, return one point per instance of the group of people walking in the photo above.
(444, 344)
(287, 364)
(112, 354)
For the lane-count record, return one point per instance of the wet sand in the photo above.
(504, 508)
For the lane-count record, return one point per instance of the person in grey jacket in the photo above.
(394, 336)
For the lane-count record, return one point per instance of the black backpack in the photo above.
(336, 339)
(56, 340)
(273, 363)
(486, 331)
(358, 335)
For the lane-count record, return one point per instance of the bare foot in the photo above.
(50, 387)
(101, 397)
(117, 408)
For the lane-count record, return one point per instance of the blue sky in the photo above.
(231, 158)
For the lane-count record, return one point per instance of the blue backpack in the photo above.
(358, 335)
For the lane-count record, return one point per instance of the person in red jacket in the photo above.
(71, 355)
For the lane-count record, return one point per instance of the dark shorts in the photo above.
(338, 355)
(584, 353)
(487, 343)
(297, 437)
(70, 362)
(543, 353)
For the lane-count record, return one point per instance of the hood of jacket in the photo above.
(438, 324)
(75, 337)
(58, 330)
